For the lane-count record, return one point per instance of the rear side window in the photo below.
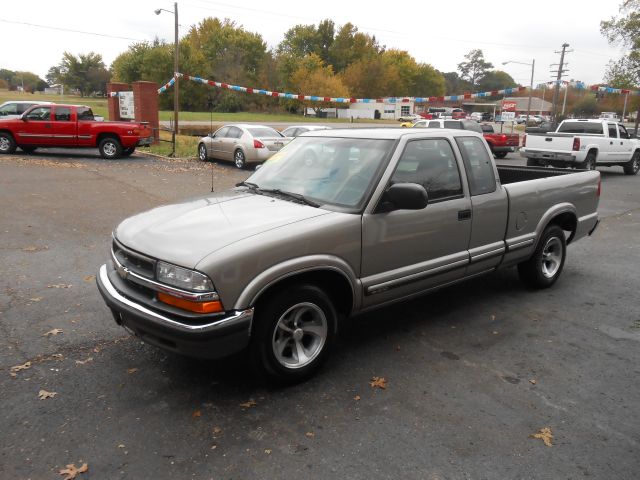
(85, 114)
(432, 164)
(234, 132)
(453, 124)
(478, 165)
(62, 114)
(581, 127)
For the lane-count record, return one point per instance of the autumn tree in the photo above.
(474, 68)
(371, 78)
(624, 30)
(314, 77)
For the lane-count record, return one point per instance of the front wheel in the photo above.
(110, 148)
(545, 265)
(500, 154)
(7, 143)
(632, 166)
(293, 332)
(239, 159)
(202, 153)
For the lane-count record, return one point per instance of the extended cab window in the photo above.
(62, 114)
(580, 127)
(39, 114)
(478, 165)
(85, 114)
(432, 164)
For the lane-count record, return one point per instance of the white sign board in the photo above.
(127, 110)
(508, 116)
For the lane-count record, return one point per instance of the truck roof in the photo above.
(387, 133)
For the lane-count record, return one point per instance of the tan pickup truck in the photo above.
(337, 223)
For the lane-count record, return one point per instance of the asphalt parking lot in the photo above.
(472, 371)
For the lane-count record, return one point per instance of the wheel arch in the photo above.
(102, 135)
(563, 215)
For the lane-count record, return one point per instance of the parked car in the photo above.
(296, 130)
(272, 266)
(409, 118)
(477, 116)
(584, 144)
(443, 123)
(243, 144)
(15, 109)
(500, 143)
(72, 126)
(522, 119)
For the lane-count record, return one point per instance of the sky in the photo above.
(440, 33)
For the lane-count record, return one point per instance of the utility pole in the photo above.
(176, 90)
(559, 75)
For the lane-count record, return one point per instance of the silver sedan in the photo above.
(296, 130)
(242, 144)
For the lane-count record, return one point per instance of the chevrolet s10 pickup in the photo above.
(337, 223)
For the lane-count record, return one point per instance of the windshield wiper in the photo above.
(251, 185)
(296, 196)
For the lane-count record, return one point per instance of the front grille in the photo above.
(133, 261)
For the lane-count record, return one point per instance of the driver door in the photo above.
(409, 251)
(37, 129)
(215, 143)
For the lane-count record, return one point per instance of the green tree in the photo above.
(349, 45)
(496, 80)
(624, 30)
(621, 74)
(474, 68)
(455, 85)
(85, 73)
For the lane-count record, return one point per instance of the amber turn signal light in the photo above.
(197, 307)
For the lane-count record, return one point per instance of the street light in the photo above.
(533, 68)
(175, 70)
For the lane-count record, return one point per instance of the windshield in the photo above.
(263, 132)
(336, 171)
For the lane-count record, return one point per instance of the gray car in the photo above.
(15, 109)
(241, 143)
(296, 130)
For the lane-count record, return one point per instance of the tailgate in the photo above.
(550, 143)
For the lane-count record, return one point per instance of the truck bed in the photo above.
(513, 174)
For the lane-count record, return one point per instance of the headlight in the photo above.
(183, 278)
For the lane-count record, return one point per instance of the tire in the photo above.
(500, 154)
(126, 152)
(532, 162)
(28, 149)
(7, 143)
(545, 265)
(202, 152)
(239, 159)
(110, 148)
(632, 166)
(293, 333)
(589, 162)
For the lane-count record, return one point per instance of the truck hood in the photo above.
(184, 233)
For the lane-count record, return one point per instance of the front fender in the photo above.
(295, 266)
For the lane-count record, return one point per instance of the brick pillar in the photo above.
(145, 100)
(113, 105)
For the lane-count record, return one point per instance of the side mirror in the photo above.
(405, 196)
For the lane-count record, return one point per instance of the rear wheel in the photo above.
(239, 159)
(590, 161)
(545, 265)
(632, 166)
(7, 143)
(110, 148)
(500, 154)
(293, 331)
(128, 151)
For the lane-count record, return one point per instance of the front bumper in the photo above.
(213, 337)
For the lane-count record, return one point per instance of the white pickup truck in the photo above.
(584, 144)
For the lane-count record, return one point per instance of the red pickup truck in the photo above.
(500, 143)
(71, 126)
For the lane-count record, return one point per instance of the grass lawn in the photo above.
(186, 146)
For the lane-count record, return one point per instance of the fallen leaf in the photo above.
(495, 332)
(196, 414)
(357, 398)
(217, 430)
(54, 332)
(121, 445)
(533, 381)
(83, 362)
(267, 451)
(59, 285)
(131, 370)
(13, 371)
(43, 394)
(492, 317)
(35, 299)
(545, 435)
(72, 471)
(310, 434)
(249, 404)
(378, 382)
(89, 278)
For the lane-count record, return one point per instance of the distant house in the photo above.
(57, 89)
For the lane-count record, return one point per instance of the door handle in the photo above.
(610, 143)
(621, 143)
(464, 215)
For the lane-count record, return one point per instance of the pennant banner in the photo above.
(318, 98)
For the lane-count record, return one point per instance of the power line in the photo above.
(70, 30)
